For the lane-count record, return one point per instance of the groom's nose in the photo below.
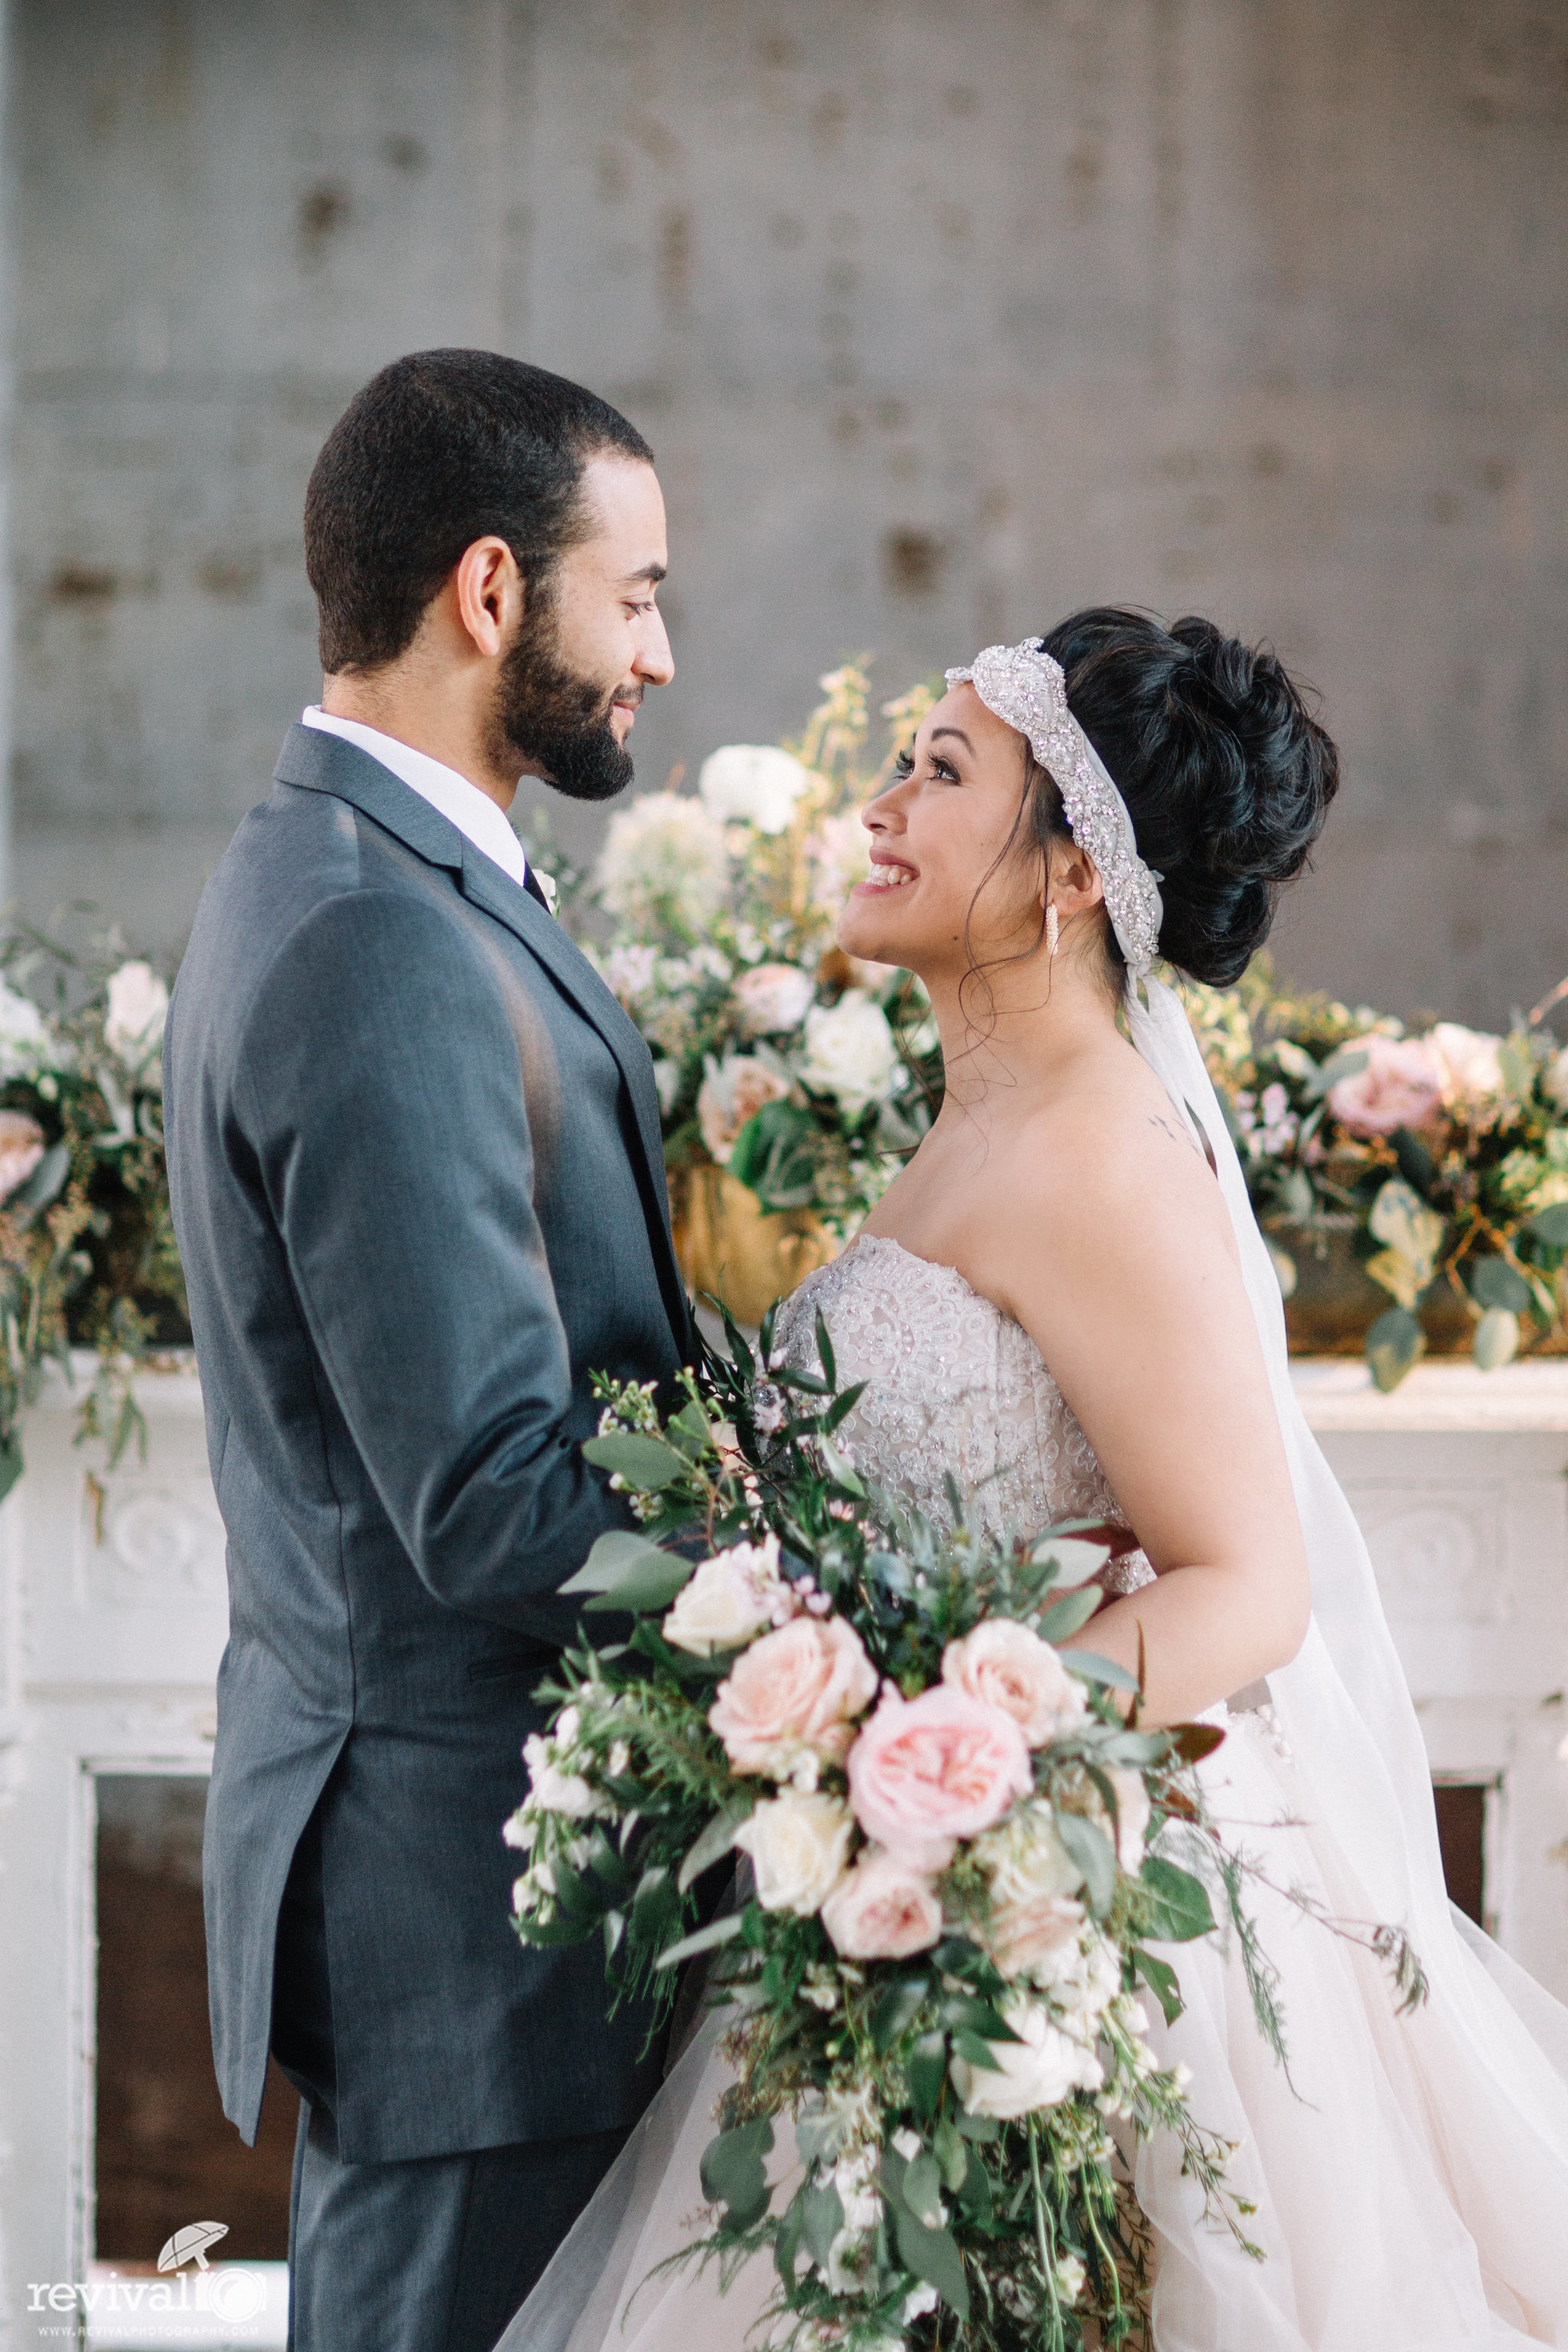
(654, 662)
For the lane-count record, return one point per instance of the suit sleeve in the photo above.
(379, 1085)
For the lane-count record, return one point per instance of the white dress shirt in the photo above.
(481, 820)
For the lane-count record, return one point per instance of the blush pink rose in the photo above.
(1009, 1666)
(1033, 1938)
(800, 1688)
(882, 1910)
(928, 1771)
(1402, 1086)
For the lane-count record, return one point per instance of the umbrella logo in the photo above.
(191, 2243)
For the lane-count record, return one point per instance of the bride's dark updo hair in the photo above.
(1226, 774)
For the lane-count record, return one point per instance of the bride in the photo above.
(1058, 1304)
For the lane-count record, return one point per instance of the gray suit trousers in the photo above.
(432, 2254)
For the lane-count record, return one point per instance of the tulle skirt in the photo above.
(1402, 2202)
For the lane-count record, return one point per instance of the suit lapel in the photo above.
(329, 763)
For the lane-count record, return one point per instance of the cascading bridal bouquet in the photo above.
(960, 1853)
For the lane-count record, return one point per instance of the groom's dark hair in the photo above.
(440, 449)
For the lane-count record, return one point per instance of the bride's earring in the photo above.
(1053, 928)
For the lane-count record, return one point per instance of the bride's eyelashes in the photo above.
(942, 771)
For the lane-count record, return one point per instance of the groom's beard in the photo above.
(556, 720)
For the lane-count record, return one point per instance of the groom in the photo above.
(413, 1148)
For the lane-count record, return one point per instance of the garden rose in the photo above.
(882, 1911)
(1026, 1860)
(773, 996)
(1402, 1086)
(849, 1052)
(928, 1770)
(1032, 1939)
(733, 1091)
(1470, 1062)
(758, 782)
(1008, 1666)
(137, 1007)
(798, 1687)
(799, 1848)
(21, 1149)
(1041, 2069)
(731, 1597)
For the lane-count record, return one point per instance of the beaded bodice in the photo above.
(955, 1386)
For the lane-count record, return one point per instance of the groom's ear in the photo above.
(488, 595)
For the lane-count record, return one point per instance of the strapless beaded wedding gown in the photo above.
(1397, 2210)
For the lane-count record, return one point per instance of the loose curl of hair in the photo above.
(1226, 774)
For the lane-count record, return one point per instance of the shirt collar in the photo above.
(474, 813)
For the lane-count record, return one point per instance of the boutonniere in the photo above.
(547, 884)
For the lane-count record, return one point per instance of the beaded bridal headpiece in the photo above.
(1026, 687)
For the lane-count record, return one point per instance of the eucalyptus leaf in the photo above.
(613, 1556)
(1160, 1979)
(1091, 1850)
(1347, 1063)
(1073, 1560)
(932, 2255)
(1394, 1344)
(896, 2011)
(1182, 1903)
(649, 1587)
(822, 2218)
(1071, 1615)
(1495, 1283)
(711, 1845)
(646, 1464)
(1550, 1225)
(1097, 1669)
(701, 1940)
(926, 2071)
(732, 2172)
(922, 2189)
(1496, 1342)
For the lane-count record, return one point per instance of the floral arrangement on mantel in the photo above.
(783, 1067)
(934, 1975)
(87, 1243)
(1424, 1170)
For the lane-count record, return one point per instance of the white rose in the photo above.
(1027, 1859)
(1471, 1063)
(24, 1040)
(137, 1007)
(664, 861)
(1041, 2069)
(773, 996)
(799, 1848)
(630, 970)
(849, 1051)
(1555, 1079)
(554, 1791)
(755, 782)
(732, 1091)
(730, 1600)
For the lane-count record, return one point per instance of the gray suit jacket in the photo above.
(414, 1149)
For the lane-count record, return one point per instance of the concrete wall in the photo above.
(942, 319)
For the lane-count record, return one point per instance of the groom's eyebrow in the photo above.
(653, 573)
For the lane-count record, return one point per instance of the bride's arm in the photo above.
(1122, 1268)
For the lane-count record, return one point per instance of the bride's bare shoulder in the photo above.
(1109, 1170)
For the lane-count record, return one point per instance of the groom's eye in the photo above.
(904, 765)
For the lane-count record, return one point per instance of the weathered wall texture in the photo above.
(942, 319)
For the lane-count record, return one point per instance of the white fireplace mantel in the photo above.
(113, 1617)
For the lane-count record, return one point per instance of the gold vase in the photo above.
(732, 1248)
